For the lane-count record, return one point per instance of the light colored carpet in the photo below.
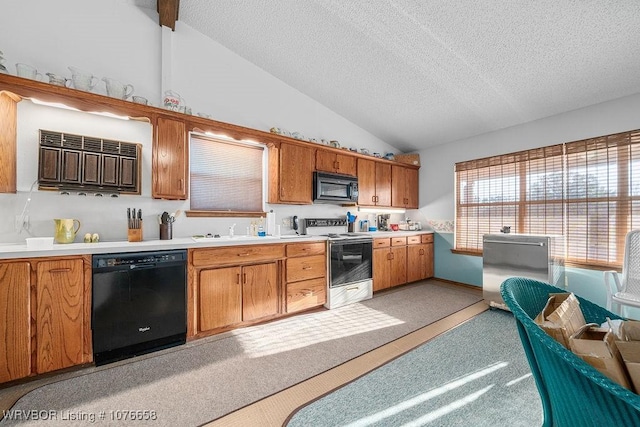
(475, 374)
(208, 378)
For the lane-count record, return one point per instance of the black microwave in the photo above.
(334, 188)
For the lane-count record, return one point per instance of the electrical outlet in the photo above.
(287, 221)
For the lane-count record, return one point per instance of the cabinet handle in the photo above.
(238, 279)
(59, 270)
(306, 267)
(389, 256)
(353, 288)
(244, 278)
(337, 165)
(307, 292)
(421, 252)
(373, 199)
(181, 184)
(393, 256)
(244, 254)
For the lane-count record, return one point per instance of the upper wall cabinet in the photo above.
(8, 144)
(170, 159)
(404, 187)
(374, 183)
(76, 162)
(328, 161)
(290, 174)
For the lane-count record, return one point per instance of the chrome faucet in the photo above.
(231, 230)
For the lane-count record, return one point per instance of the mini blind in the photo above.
(588, 191)
(225, 176)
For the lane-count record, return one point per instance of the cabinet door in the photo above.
(398, 178)
(429, 260)
(91, 168)
(59, 314)
(411, 188)
(220, 298)
(383, 184)
(8, 144)
(71, 166)
(366, 182)
(296, 174)
(325, 161)
(49, 169)
(15, 320)
(381, 269)
(128, 173)
(110, 170)
(259, 291)
(170, 160)
(345, 164)
(398, 265)
(416, 262)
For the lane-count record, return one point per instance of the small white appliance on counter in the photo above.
(520, 255)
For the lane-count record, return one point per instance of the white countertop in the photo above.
(20, 250)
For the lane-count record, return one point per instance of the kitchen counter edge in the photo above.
(17, 250)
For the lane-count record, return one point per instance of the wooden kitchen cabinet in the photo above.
(290, 174)
(329, 161)
(15, 320)
(237, 294)
(8, 142)
(404, 187)
(45, 310)
(374, 183)
(389, 262)
(306, 276)
(170, 159)
(231, 286)
(60, 320)
(420, 257)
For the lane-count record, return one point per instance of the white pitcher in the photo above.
(81, 80)
(117, 89)
(24, 70)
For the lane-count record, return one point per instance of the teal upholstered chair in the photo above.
(572, 392)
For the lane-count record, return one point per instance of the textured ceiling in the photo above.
(417, 73)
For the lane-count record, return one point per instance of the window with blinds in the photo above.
(225, 175)
(586, 190)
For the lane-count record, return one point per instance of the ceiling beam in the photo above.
(168, 13)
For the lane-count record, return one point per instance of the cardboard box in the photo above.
(629, 346)
(561, 317)
(409, 159)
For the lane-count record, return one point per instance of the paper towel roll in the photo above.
(271, 224)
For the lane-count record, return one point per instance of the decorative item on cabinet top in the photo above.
(69, 162)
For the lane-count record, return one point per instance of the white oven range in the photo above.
(349, 261)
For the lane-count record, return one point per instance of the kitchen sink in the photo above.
(240, 238)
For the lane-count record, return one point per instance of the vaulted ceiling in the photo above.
(417, 73)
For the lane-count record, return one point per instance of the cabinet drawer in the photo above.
(304, 268)
(236, 254)
(381, 243)
(306, 294)
(414, 240)
(306, 249)
(398, 241)
(427, 238)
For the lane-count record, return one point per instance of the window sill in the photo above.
(218, 214)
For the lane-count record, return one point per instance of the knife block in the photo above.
(135, 234)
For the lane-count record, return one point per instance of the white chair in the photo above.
(625, 292)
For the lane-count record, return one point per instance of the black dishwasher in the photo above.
(138, 303)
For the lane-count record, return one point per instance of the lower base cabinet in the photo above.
(45, 308)
(401, 260)
(15, 324)
(233, 295)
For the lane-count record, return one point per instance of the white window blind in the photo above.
(588, 191)
(225, 176)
